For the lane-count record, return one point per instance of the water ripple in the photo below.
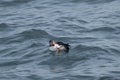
(13, 2)
(91, 27)
(35, 34)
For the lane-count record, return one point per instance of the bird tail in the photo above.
(67, 46)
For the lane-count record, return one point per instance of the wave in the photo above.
(56, 2)
(93, 1)
(34, 33)
(26, 35)
(13, 2)
(114, 51)
(88, 48)
(108, 78)
(89, 51)
(12, 62)
(96, 52)
(105, 29)
(3, 26)
(65, 19)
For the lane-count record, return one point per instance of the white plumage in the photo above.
(58, 46)
(55, 47)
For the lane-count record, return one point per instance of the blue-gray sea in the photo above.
(91, 27)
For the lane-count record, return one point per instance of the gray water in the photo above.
(91, 27)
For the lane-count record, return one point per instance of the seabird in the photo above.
(58, 46)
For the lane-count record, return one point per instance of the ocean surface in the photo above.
(91, 27)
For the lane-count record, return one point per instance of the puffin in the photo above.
(58, 46)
